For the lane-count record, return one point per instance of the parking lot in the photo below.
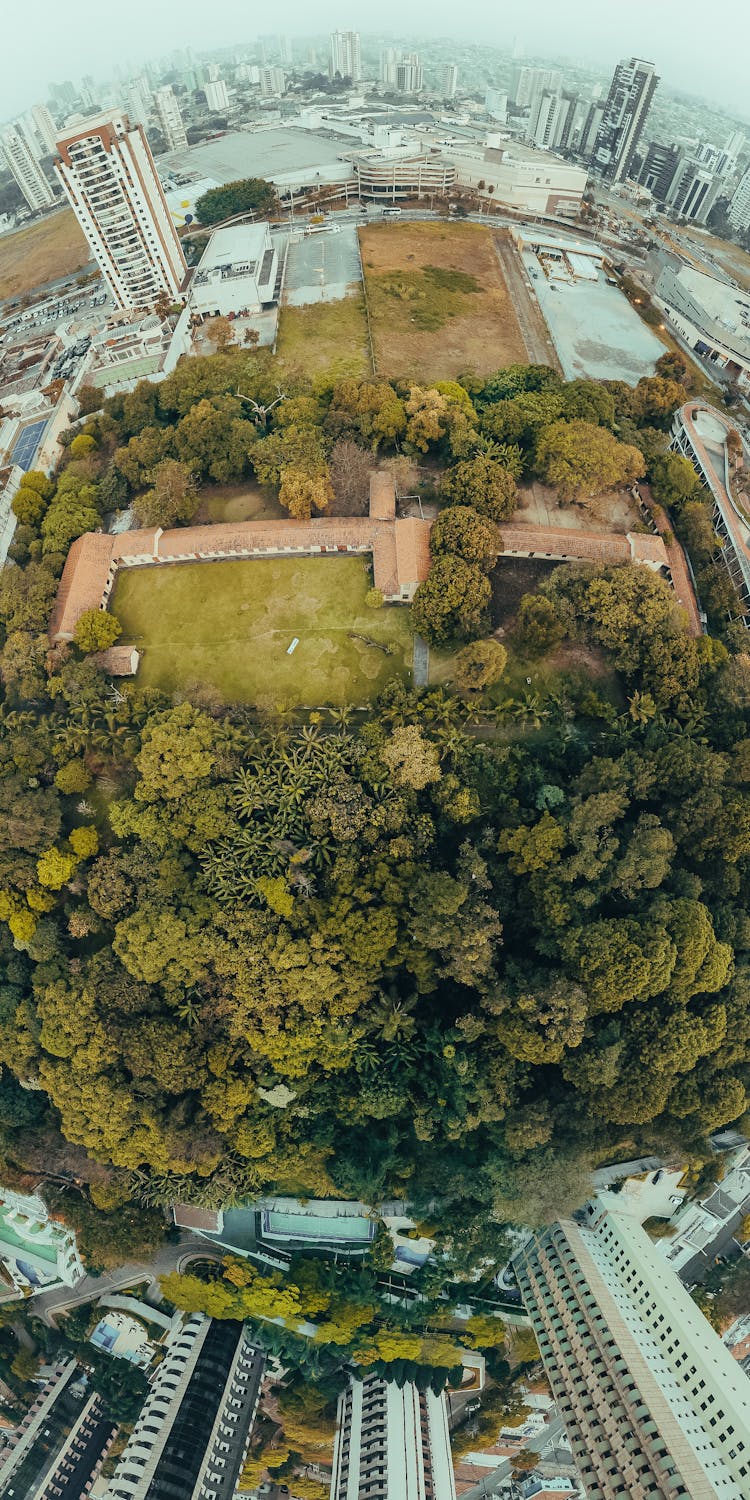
(321, 267)
(597, 334)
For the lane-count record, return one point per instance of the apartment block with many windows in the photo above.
(653, 1403)
(391, 1444)
(25, 168)
(108, 175)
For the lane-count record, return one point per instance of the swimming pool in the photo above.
(338, 1227)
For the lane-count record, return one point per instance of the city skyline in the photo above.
(578, 37)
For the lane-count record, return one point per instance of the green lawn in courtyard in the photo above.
(229, 624)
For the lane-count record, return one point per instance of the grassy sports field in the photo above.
(229, 624)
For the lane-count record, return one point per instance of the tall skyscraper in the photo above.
(346, 55)
(410, 74)
(545, 119)
(57, 1450)
(625, 111)
(217, 96)
(739, 206)
(45, 128)
(192, 1435)
(449, 80)
(138, 101)
(25, 168)
(272, 82)
(170, 119)
(391, 1444)
(108, 175)
(652, 1400)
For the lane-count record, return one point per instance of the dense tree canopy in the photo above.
(248, 195)
(460, 947)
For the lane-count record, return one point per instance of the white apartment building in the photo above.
(346, 55)
(543, 126)
(217, 95)
(138, 101)
(108, 175)
(410, 74)
(193, 1431)
(391, 1444)
(496, 104)
(45, 128)
(25, 168)
(739, 207)
(625, 111)
(652, 1400)
(449, 81)
(169, 118)
(272, 81)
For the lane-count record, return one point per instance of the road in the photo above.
(534, 331)
(170, 1257)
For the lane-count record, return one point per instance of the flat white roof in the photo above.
(237, 243)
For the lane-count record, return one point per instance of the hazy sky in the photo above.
(698, 46)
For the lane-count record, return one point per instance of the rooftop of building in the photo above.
(238, 247)
(272, 152)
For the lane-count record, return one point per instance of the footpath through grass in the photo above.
(42, 252)
(229, 624)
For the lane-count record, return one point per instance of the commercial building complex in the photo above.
(237, 273)
(25, 168)
(652, 1401)
(192, 1435)
(169, 119)
(711, 315)
(625, 111)
(57, 1451)
(109, 177)
(391, 1444)
(36, 1251)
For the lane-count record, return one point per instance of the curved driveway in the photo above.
(169, 1257)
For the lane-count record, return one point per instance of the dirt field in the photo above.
(439, 305)
(731, 259)
(44, 251)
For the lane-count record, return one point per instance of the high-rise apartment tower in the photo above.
(170, 119)
(26, 169)
(346, 55)
(625, 112)
(652, 1400)
(391, 1444)
(108, 174)
(192, 1435)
